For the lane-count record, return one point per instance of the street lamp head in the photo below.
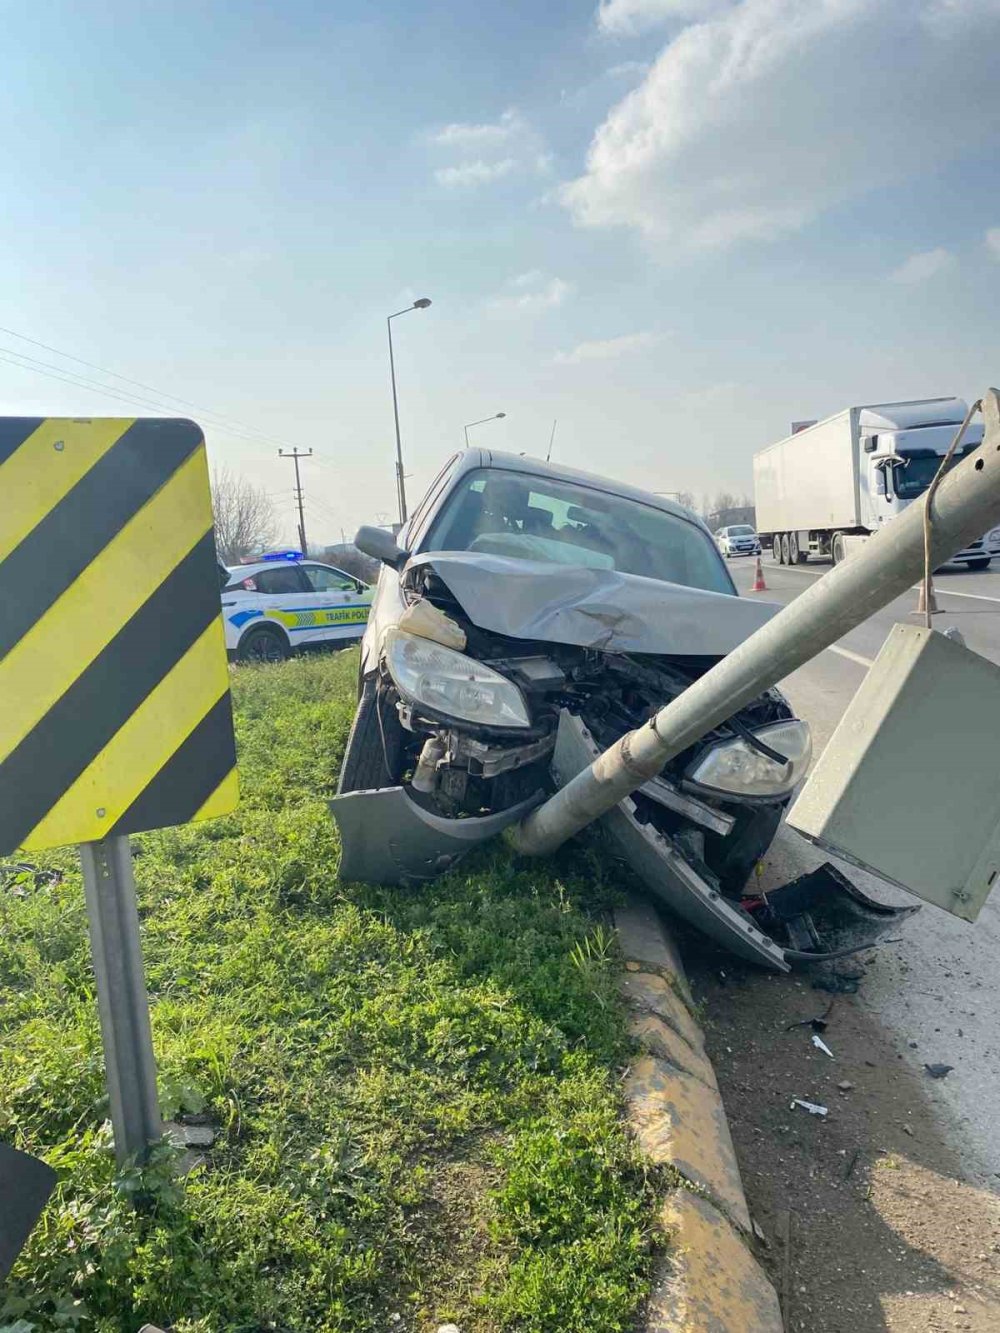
(421, 303)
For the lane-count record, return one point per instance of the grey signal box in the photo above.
(909, 785)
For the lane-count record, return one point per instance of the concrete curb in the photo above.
(709, 1281)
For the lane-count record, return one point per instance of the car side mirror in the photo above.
(880, 481)
(380, 545)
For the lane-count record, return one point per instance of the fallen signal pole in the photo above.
(963, 506)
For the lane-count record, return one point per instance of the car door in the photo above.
(338, 602)
(279, 593)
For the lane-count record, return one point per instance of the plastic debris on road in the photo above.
(812, 1107)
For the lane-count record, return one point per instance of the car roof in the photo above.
(249, 570)
(538, 467)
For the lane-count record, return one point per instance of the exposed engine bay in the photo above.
(468, 770)
(462, 729)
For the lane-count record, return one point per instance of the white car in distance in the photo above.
(737, 539)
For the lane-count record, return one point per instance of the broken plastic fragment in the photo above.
(821, 1045)
(812, 1107)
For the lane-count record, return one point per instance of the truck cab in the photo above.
(901, 451)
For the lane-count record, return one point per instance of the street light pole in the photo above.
(497, 416)
(420, 304)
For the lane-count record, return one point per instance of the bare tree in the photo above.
(723, 500)
(353, 561)
(687, 500)
(245, 521)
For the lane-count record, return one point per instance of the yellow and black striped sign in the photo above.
(115, 713)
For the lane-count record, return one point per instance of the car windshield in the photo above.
(742, 530)
(539, 518)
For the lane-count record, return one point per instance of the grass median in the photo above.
(415, 1092)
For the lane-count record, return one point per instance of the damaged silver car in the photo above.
(528, 616)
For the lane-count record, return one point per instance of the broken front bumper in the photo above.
(386, 838)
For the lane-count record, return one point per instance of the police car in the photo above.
(283, 603)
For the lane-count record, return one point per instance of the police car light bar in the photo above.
(283, 555)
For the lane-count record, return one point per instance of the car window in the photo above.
(429, 499)
(324, 579)
(542, 518)
(281, 579)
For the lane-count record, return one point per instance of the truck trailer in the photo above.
(833, 483)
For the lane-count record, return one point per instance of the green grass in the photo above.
(416, 1092)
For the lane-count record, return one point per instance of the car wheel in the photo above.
(364, 767)
(263, 645)
(978, 565)
(786, 558)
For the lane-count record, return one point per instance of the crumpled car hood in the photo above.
(594, 608)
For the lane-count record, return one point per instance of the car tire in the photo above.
(263, 644)
(837, 549)
(364, 767)
(793, 549)
(785, 549)
(978, 565)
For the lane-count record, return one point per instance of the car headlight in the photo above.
(994, 537)
(450, 683)
(736, 768)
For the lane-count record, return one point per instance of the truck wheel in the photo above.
(263, 645)
(786, 558)
(978, 565)
(837, 549)
(793, 548)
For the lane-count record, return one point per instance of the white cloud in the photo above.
(489, 151)
(920, 267)
(474, 173)
(631, 16)
(627, 69)
(605, 349)
(759, 117)
(992, 239)
(462, 135)
(532, 293)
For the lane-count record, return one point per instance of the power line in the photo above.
(235, 427)
(324, 507)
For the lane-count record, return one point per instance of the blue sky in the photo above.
(674, 225)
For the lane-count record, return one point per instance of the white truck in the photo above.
(834, 482)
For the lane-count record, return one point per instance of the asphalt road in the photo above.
(935, 993)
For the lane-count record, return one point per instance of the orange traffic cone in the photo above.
(758, 578)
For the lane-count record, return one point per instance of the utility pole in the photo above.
(295, 455)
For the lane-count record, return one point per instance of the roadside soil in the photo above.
(868, 1223)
